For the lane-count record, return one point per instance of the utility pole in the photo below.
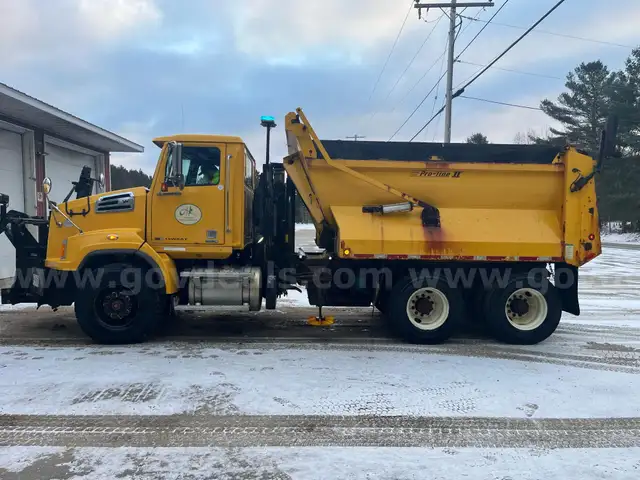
(355, 137)
(452, 5)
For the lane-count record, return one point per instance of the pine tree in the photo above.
(626, 103)
(583, 110)
(122, 177)
(478, 139)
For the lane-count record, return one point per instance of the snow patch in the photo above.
(311, 463)
(13, 308)
(16, 459)
(305, 226)
(276, 379)
(632, 238)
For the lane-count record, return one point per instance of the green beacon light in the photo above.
(268, 121)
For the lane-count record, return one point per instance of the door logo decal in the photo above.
(188, 214)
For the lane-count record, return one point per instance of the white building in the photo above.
(38, 140)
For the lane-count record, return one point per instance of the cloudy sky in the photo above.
(144, 68)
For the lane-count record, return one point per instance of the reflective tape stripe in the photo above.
(477, 258)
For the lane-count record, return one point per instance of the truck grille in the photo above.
(116, 203)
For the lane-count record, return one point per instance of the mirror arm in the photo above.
(608, 141)
(602, 153)
(55, 207)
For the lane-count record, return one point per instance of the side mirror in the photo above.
(177, 178)
(47, 185)
(611, 134)
(101, 179)
(608, 140)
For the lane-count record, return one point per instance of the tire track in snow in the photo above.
(298, 430)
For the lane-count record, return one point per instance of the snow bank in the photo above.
(633, 238)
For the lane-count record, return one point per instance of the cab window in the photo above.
(249, 168)
(200, 166)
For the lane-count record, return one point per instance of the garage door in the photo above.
(11, 183)
(63, 166)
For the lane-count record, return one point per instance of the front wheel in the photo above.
(112, 313)
(523, 313)
(425, 312)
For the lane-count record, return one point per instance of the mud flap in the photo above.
(566, 281)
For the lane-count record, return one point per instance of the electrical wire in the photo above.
(509, 48)
(501, 103)
(555, 34)
(418, 107)
(493, 62)
(542, 75)
(482, 29)
(421, 79)
(435, 99)
(393, 47)
(409, 66)
(460, 31)
(435, 128)
(428, 123)
(414, 58)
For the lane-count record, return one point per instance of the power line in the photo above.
(435, 99)
(410, 64)
(482, 29)
(414, 57)
(393, 47)
(435, 129)
(496, 60)
(509, 48)
(511, 70)
(461, 31)
(501, 103)
(429, 122)
(422, 78)
(418, 107)
(555, 34)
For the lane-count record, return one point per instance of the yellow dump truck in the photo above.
(430, 234)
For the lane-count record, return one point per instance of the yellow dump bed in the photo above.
(495, 202)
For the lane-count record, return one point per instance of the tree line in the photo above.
(122, 177)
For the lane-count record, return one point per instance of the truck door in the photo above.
(195, 215)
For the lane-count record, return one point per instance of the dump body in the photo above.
(496, 202)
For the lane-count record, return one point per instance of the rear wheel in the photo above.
(112, 313)
(425, 313)
(522, 313)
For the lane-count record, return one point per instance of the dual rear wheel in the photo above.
(430, 311)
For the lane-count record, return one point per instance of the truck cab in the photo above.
(208, 212)
(191, 238)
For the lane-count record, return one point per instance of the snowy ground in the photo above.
(632, 238)
(264, 396)
(314, 463)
